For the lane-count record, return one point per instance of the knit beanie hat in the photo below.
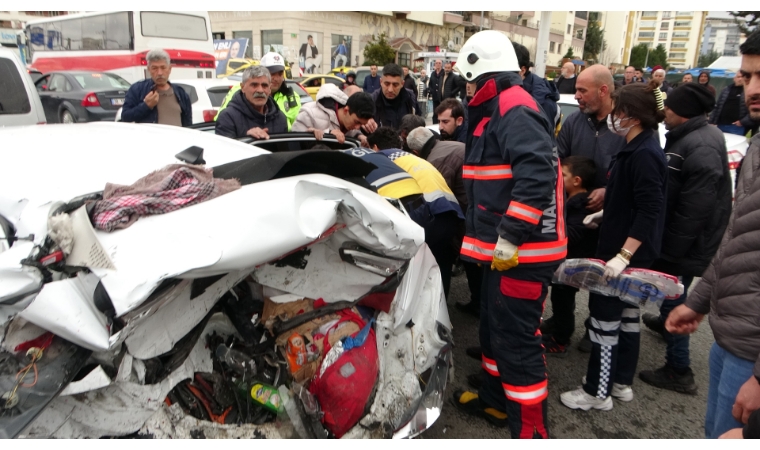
(690, 100)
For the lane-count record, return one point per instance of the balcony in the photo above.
(581, 15)
(454, 17)
(557, 31)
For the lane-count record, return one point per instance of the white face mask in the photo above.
(616, 128)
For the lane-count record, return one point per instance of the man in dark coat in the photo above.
(393, 101)
(698, 208)
(566, 82)
(434, 86)
(409, 82)
(252, 112)
(730, 114)
(543, 91)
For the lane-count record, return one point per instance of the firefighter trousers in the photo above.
(513, 357)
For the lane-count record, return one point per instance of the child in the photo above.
(578, 174)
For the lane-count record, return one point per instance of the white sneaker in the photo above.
(622, 392)
(579, 399)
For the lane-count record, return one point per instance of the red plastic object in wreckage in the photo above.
(42, 341)
(52, 258)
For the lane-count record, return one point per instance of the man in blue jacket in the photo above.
(371, 82)
(544, 92)
(156, 100)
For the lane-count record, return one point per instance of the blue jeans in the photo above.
(727, 375)
(677, 350)
(732, 129)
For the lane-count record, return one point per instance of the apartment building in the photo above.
(721, 35)
(616, 35)
(680, 32)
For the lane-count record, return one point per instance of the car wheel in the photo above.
(67, 117)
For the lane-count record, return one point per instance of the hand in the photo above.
(596, 200)
(151, 99)
(338, 135)
(683, 320)
(363, 141)
(258, 133)
(736, 433)
(318, 134)
(371, 126)
(747, 400)
(614, 267)
(593, 220)
(504, 255)
(737, 123)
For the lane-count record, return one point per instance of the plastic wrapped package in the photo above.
(634, 286)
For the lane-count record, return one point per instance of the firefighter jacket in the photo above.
(512, 176)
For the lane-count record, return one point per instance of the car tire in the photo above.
(67, 117)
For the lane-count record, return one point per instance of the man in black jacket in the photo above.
(252, 112)
(450, 83)
(434, 86)
(409, 82)
(698, 209)
(393, 101)
(730, 114)
(566, 82)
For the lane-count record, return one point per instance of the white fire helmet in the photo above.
(273, 61)
(486, 52)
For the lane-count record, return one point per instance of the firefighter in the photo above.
(515, 230)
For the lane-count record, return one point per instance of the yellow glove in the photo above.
(504, 255)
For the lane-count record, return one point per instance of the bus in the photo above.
(118, 41)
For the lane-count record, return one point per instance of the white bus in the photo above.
(118, 41)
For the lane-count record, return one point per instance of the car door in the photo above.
(43, 89)
(57, 90)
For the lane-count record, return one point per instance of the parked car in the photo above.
(312, 83)
(19, 102)
(135, 324)
(79, 96)
(735, 145)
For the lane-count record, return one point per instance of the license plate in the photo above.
(117, 101)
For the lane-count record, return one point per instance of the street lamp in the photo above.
(646, 60)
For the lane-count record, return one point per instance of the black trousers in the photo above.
(439, 234)
(513, 359)
(474, 280)
(435, 105)
(615, 334)
(563, 307)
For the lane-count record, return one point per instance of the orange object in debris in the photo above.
(296, 352)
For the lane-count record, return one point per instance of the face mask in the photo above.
(616, 128)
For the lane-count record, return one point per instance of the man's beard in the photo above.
(446, 136)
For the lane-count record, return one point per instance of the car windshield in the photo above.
(101, 81)
(566, 110)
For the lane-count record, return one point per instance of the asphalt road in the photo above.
(653, 413)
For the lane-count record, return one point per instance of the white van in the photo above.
(19, 102)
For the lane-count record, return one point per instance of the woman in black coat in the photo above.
(630, 234)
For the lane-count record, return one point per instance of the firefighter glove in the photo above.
(504, 255)
(593, 220)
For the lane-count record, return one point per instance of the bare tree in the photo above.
(608, 56)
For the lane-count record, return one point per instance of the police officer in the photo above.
(283, 95)
(515, 229)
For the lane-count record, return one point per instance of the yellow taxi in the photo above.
(237, 66)
(312, 83)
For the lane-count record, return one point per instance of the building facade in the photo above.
(408, 32)
(680, 32)
(616, 36)
(721, 35)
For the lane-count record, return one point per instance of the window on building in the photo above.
(648, 23)
(666, 14)
(665, 25)
(680, 34)
(663, 36)
(404, 59)
(218, 34)
(686, 23)
(677, 55)
(684, 13)
(646, 34)
(271, 41)
(678, 45)
(569, 29)
(559, 48)
(649, 14)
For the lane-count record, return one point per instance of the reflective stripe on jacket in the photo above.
(512, 176)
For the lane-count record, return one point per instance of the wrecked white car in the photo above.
(297, 303)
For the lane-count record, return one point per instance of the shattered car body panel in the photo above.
(154, 305)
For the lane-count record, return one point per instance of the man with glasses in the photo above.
(252, 112)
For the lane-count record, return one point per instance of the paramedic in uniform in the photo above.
(515, 230)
